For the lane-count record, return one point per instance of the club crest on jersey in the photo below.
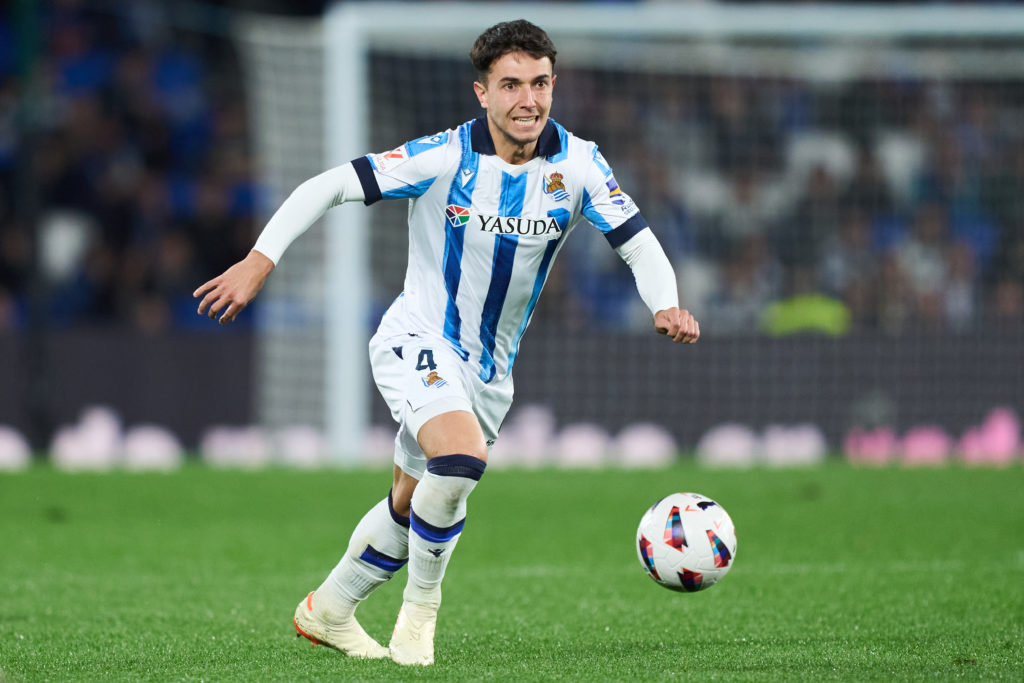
(457, 215)
(614, 193)
(434, 380)
(554, 186)
(389, 160)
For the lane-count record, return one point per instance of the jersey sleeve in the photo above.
(606, 206)
(304, 205)
(405, 172)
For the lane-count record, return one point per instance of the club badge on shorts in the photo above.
(434, 380)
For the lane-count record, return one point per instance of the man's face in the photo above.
(517, 97)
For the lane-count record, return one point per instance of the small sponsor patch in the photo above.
(434, 380)
(614, 193)
(389, 160)
(457, 215)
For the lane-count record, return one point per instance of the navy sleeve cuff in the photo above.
(621, 234)
(371, 191)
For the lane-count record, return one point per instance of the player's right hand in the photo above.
(232, 291)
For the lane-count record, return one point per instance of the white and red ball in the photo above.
(686, 542)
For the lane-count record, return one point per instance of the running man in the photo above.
(491, 205)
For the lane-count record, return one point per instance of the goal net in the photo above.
(838, 187)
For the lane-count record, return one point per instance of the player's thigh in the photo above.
(421, 379)
(469, 433)
(418, 377)
(455, 431)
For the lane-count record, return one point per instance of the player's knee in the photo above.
(470, 443)
(454, 432)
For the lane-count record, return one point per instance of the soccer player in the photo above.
(491, 205)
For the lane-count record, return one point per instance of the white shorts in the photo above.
(420, 377)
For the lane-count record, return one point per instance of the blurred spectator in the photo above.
(922, 255)
(849, 266)
(742, 135)
(960, 296)
(1008, 304)
(868, 189)
(746, 214)
(812, 223)
(750, 279)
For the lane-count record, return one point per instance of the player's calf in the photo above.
(378, 548)
(437, 516)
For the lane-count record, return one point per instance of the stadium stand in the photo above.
(146, 180)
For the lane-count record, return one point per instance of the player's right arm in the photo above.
(403, 173)
(229, 293)
(235, 288)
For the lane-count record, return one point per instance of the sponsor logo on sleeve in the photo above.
(614, 193)
(389, 160)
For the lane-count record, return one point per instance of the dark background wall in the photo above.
(188, 381)
(183, 381)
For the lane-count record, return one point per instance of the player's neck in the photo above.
(518, 154)
(509, 150)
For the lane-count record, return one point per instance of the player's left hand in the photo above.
(677, 324)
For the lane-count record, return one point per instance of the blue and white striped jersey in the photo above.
(483, 233)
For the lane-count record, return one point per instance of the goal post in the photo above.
(347, 248)
(368, 76)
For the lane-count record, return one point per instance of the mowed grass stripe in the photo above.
(841, 573)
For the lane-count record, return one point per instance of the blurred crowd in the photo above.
(140, 164)
(786, 205)
(877, 205)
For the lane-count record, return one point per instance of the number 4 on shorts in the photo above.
(426, 360)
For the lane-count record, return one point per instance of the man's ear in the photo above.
(481, 93)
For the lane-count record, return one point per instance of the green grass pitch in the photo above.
(841, 573)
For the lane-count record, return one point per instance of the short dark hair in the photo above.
(510, 36)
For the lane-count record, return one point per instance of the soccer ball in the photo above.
(686, 542)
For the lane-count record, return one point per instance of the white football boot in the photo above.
(348, 637)
(412, 643)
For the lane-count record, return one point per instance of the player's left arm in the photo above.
(656, 284)
(612, 212)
